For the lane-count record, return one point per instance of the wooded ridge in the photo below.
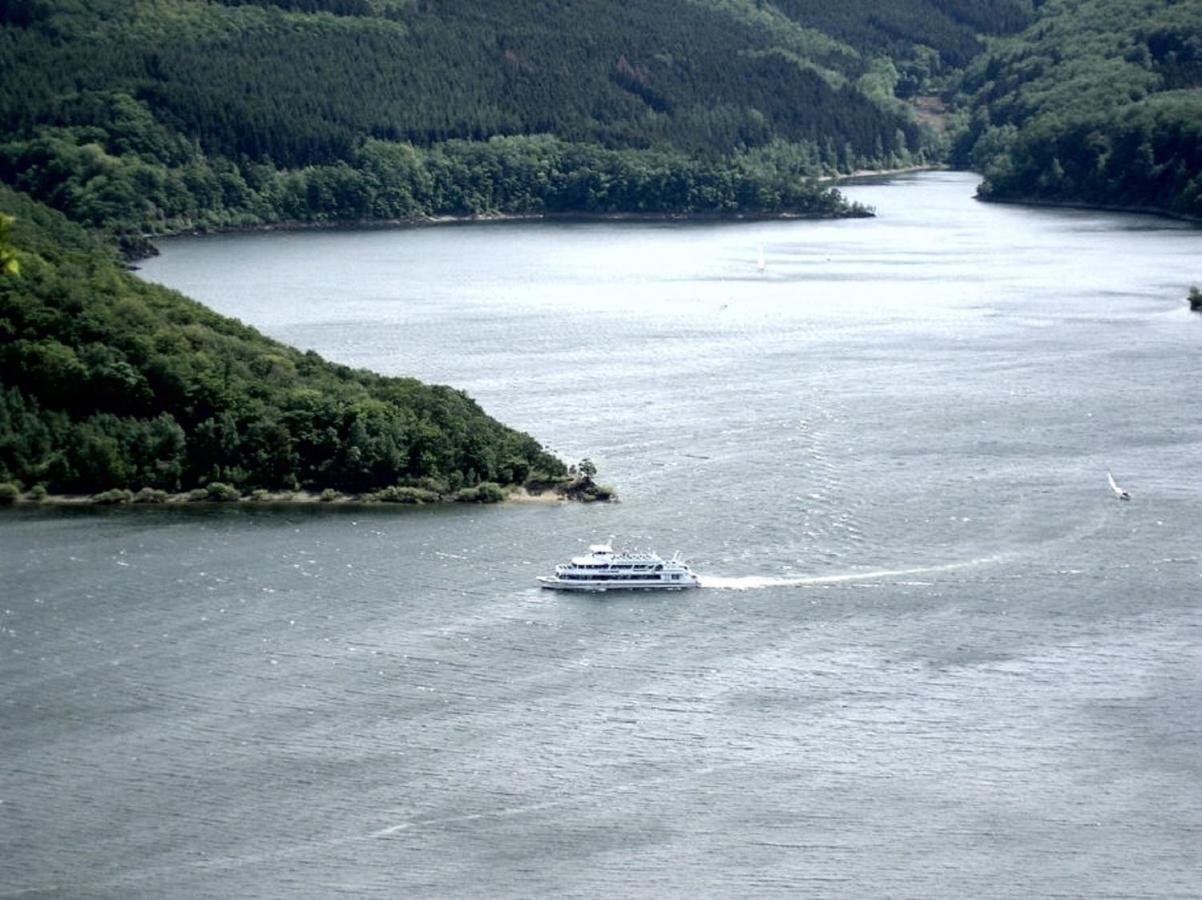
(151, 116)
(134, 118)
(108, 382)
(1099, 102)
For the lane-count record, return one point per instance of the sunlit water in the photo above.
(934, 655)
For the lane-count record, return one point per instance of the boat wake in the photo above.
(757, 582)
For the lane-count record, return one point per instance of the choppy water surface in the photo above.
(935, 656)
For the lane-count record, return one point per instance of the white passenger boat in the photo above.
(604, 570)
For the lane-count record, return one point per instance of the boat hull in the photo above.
(598, 587)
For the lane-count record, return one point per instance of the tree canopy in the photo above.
(153, 115)
(1098, 102)
(109, 382)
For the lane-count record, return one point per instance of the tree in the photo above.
(8, 257)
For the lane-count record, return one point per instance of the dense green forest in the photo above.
(1098, 102)
(145, 116)
(141, 117)
(107, 382)
(157, 115)
(138, 179)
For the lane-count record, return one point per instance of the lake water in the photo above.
(934, 657)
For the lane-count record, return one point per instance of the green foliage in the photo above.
(329, 495)
(222, 493)
(484, 492)
(275, 81)
(899, 30)
(578, 486)
(8, 258)
(602, 493)
(405, 494)
(1098, 102)
(130, 196)
(112, 497)
(145, 118)
(108, 382)
(150, 495)
(9, 493)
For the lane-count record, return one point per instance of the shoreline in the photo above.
(1094, 207)
(519, 495)
(865, 174)
(476, 218)
(146, 248)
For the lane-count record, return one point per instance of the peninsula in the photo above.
(110, 384)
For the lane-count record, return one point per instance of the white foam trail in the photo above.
(757, 582)
(588, 797)
(503, 813)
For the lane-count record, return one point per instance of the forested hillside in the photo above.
(1099, 102)
(155, 115)
(107, 382)
(143, 117)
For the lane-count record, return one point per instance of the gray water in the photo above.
(934, 657)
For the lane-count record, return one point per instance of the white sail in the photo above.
(1118, 491)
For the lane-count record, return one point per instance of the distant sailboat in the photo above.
(761, 263)
(1118, 491)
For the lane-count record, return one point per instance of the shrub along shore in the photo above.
(581, 489)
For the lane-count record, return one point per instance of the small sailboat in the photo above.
(1118, 491)
(762, 263)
